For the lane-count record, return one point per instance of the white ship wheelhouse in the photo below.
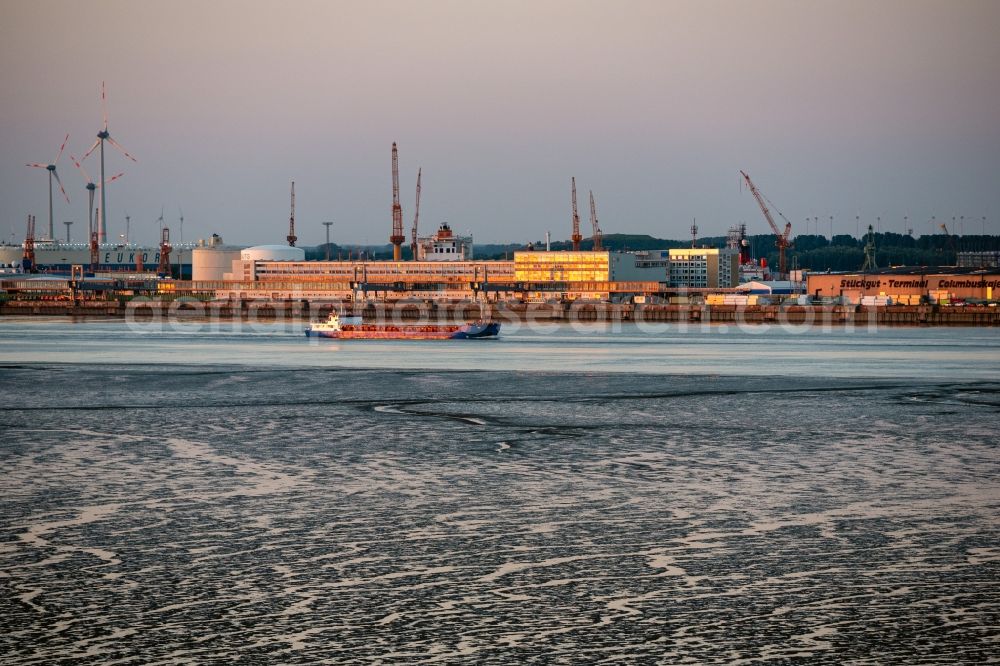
(444, 246)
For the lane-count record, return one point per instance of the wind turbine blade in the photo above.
(38, 166)
(122, 150)
(56, 160)
(61, 188)
(112, 179)
(79, 166)
(104, 107)
(96, 144)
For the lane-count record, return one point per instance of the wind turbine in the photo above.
(181, 211)
(103, 136)
(52, 172)
(91, 187)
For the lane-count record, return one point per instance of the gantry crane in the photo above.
(576, 238)
(598, 235)
(397, 236)
(780, 238)
(416, 216)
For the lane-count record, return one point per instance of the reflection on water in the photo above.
(648, 348)
(172, 505)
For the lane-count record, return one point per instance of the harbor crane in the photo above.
(598, 234)
(397, 236)
(576, 221)
(164, 267)
(781, 240)
(951, 241)
(416, 216)
(870, 264)
(291, 237)
(28, 260)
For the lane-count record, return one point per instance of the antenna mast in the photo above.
(397, 236)
(291, 221)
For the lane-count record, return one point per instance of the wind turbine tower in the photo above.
(51, 168)
(103, 136)
(91, 189)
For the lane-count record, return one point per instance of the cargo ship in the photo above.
(58, 257)
(355, 328)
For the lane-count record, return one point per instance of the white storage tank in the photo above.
(273, 253)
(211, 260)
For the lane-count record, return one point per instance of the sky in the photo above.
(853, 109)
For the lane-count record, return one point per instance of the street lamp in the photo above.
(327, 225)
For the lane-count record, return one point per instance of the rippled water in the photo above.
(206, 496)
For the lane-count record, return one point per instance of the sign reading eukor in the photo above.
(131, 258)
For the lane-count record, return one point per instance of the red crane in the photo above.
(780, 238)
(95, 256)
(416, 216)
(397, 236)
(598, 235)
(28, 260)
(576, 221)
(164, 267)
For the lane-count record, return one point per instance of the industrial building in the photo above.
(981, 259)
(276, 272)
(704, 268)
(906, 285)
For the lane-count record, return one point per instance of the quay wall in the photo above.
(800, 315)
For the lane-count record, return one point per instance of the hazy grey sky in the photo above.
(836, 108)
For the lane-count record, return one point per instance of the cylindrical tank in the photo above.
(273, 253)
(210, 263)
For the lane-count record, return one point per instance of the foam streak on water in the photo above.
(204, 513)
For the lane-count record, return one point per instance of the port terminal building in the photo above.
(270, 272)
(907, 286)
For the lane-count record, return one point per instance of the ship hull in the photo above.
(379, 332)
(61, 257)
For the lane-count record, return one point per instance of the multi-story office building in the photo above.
(704, 268)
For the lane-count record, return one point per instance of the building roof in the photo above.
(913, 270)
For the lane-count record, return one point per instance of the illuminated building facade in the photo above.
(704, 268)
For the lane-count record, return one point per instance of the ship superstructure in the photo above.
(445, 245)
(53, 256)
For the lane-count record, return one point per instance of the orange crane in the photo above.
(416, 216)
(781, 240)
(598, 235)
(397, 236)
(576, 221)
